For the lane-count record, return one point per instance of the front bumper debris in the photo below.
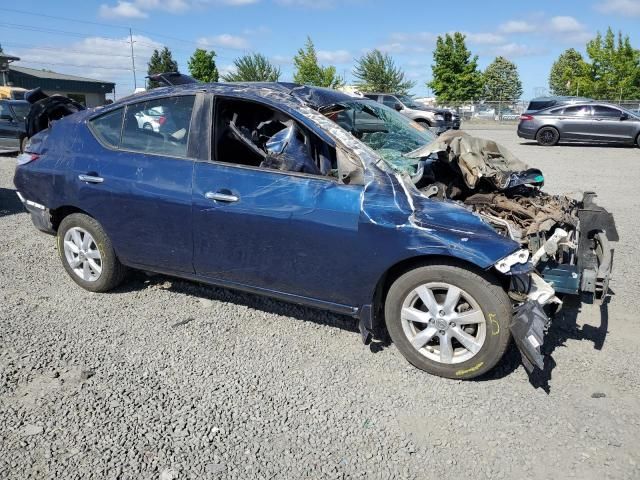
(528, 327)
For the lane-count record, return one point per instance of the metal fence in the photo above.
(488, 113)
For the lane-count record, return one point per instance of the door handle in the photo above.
(222, 197)
(90, 179)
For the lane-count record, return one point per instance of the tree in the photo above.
(160, 62)
(501, 81)
(253, 68)
(614, 71)
(455, 72)
(377, 72)
(567, 72)
(309, 72)
(202, 66)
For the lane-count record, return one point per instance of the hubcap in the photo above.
(443, 322)
(82, 254)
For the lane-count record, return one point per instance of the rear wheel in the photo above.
(638, 140)
(87, 254)
(547, 136)
(147, 126)
(448, 321)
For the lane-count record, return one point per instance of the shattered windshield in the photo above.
(386, 131)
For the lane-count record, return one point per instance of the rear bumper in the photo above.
(40, 215)
(528, 133)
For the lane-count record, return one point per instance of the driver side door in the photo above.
(274, 231)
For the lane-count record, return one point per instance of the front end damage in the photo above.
(565, 243)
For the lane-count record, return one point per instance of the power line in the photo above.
(86, 22)
(67, 50)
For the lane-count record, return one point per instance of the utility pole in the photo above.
(133, 62)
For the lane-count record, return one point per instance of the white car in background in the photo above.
(151, 119)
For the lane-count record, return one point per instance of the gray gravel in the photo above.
(167, 379)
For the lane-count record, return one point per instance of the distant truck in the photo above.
(12, 93)
(439, 120)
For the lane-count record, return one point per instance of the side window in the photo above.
(608, 112)
(3, 111)
(389, 101)
(158, 126)
(256, 135)
(578, 111)
(107, 127)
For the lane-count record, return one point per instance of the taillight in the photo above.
(25, 158)
(161, 120)
(525, 118)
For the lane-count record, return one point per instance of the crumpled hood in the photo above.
(476, 157)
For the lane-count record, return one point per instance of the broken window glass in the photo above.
(389, 133)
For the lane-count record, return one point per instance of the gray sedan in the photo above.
(586, 123)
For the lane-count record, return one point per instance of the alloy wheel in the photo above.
(443, 322)
(82, 254)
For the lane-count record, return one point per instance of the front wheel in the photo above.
(87, 254)
(448, 321)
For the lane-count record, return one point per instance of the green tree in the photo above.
(160, 62)
(202, 66)
(614, 70)
(455, 71)
(567, 74)
(377, 72)
(309, 72)
(253, 68)
(502, 81)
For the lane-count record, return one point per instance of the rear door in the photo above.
(139, 186)
(575, 123)
(608, 125)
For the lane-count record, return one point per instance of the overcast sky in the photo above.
(93, 37)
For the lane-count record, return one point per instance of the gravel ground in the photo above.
(167, 379)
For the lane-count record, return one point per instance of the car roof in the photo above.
(316, 97)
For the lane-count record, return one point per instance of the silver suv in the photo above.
(438, 120)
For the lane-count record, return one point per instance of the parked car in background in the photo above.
(151, 119)
(591, 122)
(324, 199)
(507, 115)
(438, 119)
(541, 103)
(13, 130)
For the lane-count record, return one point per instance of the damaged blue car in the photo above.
(324, 199)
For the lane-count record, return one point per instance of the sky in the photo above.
(91, 38)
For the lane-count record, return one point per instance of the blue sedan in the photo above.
(293, 193)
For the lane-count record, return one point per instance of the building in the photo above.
(88, 91)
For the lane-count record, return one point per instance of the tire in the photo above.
(638, 141)
(92, 253)
(424, 123)
(147, 126)
(481, 300)
(547, 136)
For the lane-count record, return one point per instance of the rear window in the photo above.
(107, 127)
(577, 111)
(159, 126)
(539, 105)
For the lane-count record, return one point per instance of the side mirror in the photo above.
(7, 117)
(398, 106)
(624, 116)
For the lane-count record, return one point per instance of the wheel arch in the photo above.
(60, 213)
(403, 266)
